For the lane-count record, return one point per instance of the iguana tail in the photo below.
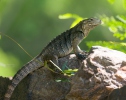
(22, 73)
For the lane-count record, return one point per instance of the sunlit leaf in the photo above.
(122, 38)
(111, 1)
(122, 18)
(70, 71)
(58, 80)
(117, 35)
(113, 29)
(123, 44)
(62, 80)
(69, 15)
(76, 21)
(116, 25)
(124, 4)
(109, 44)
(74, 16)
(65, 16)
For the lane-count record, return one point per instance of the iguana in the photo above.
(59, 47)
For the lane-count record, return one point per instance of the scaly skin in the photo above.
(59, 47)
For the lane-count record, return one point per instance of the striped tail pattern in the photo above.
(22, 73)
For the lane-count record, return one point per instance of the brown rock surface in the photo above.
(101, 76)
(101, 73)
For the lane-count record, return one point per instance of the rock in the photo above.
(47, 85)
(103, 71)
(3, 86)
(101, 76)
(118, 94)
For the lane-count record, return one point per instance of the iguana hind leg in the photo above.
(52, 63)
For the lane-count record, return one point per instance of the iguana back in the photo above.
(59, 47)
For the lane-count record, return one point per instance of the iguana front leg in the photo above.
(81, 54)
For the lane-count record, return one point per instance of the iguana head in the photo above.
(88, 24)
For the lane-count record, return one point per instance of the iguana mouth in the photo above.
(97, 23)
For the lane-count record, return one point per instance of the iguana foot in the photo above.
(82, 56)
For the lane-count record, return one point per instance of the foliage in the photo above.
(34, 24)
(123, 2)
(74, 16)
(110, 44)
(116, 25)
(111, 1)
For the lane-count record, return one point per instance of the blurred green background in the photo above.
(33, 23)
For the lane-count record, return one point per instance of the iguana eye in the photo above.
(91, 19)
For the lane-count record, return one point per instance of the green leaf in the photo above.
(109, 44)
(124, 4)
(74, 16)
(111, 1)
(65, 16)
(121, 18)
(70, 70)
(113, 29)
(116, 25)
(123, 44)
(58, 80)
(62, 80)
(69, 15)
(75, 22)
